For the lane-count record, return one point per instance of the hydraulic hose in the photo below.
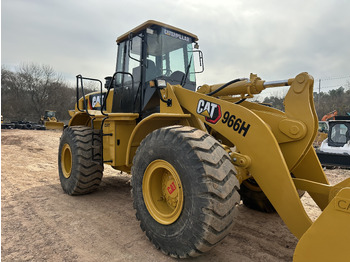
(225, 85)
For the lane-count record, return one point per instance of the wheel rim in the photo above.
(66, 160)
(162, 192)
(252, 185)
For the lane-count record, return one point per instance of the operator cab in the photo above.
(339, 133)
(49, 113)
(152, 51)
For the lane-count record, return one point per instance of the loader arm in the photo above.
(272, 149)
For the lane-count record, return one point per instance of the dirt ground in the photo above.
(41, 223)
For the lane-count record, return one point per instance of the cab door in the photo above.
(127, 90)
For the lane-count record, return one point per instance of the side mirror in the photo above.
(199, 55)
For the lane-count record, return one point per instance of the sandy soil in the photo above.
(41, 223)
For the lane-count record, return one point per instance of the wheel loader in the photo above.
(194, 153)
(50, 121)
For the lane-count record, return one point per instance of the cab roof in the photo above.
(150, 23)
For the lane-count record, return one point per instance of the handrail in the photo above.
(81, 78)
(103, 105)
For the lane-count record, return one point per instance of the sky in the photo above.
(274, 39)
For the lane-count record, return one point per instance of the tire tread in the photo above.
(88, 171)
(217, 182)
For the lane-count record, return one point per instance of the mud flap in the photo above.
(329, 236)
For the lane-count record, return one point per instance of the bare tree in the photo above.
(32, 89)
(37, 81)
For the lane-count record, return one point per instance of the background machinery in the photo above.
(50, 121)
(193, 154)
(335, 149)
(322, 133)
(330, 115)
(323, 128)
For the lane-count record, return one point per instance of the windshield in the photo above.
(50, 113)
(339, 133)
(170, 56)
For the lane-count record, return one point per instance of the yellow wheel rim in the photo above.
(162, 192)
(66, 160)
(252, 186)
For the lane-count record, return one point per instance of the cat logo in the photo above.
(211, 111)
(96, 100)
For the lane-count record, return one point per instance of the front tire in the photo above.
(184, 190)
(79, 160)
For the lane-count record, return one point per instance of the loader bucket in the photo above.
(329, 236)
(54, 125)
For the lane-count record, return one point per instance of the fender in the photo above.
(80, 119)
(148, 125)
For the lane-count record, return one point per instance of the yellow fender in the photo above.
(79, 118)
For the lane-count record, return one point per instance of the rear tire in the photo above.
(185, 190)
(79, 164)
(254, 198)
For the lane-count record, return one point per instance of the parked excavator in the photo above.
(330, 115)
(194, 154)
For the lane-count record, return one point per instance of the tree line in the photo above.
(30, 89)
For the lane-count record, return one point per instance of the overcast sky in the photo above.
(275, 39)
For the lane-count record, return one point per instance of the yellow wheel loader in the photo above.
(50, 121)
(193, 154)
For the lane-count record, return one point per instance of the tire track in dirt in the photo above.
(36, 238)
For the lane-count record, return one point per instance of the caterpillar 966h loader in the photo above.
(194, 154)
